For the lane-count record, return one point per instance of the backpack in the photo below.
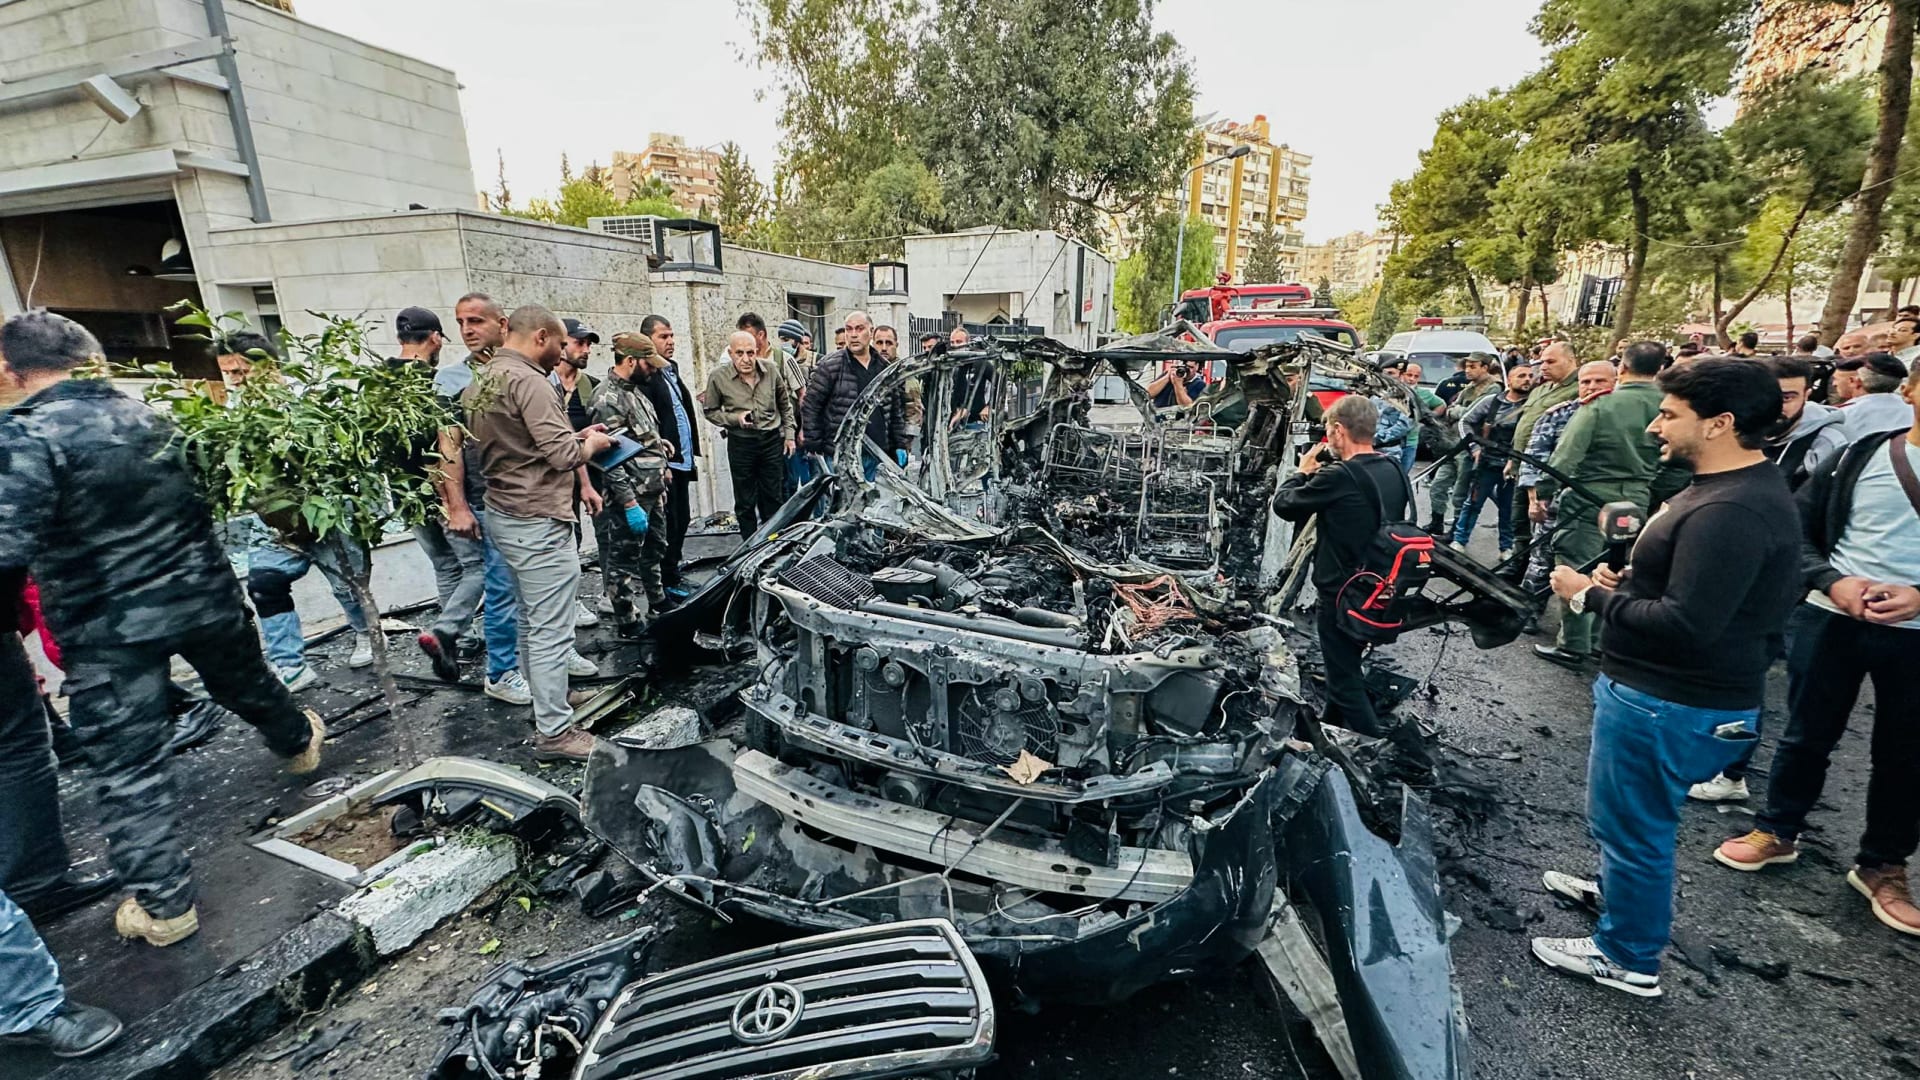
(1393, 427)
(1372, 605)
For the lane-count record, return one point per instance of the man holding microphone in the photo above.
(1691, 626)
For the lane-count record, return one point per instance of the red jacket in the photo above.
(31, 622)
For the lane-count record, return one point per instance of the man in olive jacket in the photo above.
(1608, 452)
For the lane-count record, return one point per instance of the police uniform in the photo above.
(97, 503)
(631, 564)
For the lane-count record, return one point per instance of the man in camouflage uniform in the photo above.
(633, 527)
(97, 503)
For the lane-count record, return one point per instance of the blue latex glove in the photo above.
(901, 457)
(637, 520)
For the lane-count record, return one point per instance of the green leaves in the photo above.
(316, 439)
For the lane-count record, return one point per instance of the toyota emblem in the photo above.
(768, 1013)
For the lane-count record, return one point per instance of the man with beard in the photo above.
(1690, 628)
(483, 329)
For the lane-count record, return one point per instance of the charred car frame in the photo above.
(1044, 684)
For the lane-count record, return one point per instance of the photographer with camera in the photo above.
(1358, 495)
(1179, 386)
(1691, 626)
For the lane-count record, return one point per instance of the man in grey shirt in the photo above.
(1878, 407)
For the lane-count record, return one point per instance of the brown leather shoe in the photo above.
(131, 920)
(577, 698)
(1755, 851)
(1886, 888)
(308, 760)
(572, 744)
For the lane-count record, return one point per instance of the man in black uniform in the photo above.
(1347, 491)
(97, 504)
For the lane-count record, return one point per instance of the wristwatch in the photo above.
(1577, 603)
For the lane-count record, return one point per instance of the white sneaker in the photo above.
(603, 606)
(296, 679)
(1579, 890)
(1505, 554)
(1457, 546)
(584, 616)
(362, 651)
(579, 666)
(510, 688)
(1719, 789)
(1582, 957)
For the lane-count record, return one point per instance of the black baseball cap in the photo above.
(580, 331)
(1880, 363)
(417, 320)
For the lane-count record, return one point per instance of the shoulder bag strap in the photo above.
(1903, 469)
(1372, 487)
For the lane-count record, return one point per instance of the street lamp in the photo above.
(1180, 235)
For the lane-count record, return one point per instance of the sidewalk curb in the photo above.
(243, 1005)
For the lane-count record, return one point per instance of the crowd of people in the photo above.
(1779, 494)
(1782, 523)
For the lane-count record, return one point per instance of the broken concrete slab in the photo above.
(198, 1031)
(396, 910)
(663, 729)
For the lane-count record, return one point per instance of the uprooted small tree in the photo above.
(313, 444)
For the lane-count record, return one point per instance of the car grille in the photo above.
(823, 578)
(878, 1001)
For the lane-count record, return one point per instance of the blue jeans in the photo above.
(1407, 453)
(30, 989)
(1487, 484)
(1646, 753)
(271, 572)
(500, 618)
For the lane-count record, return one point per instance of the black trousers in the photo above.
(758, 462)
(119, 700)
(33, 849)
(679, 520)
(1347, 701)
(1831, 656)
(1522, 531)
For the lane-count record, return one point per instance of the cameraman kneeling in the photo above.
(1352, 489)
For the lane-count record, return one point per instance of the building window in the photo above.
(812, 311)
(268, 307)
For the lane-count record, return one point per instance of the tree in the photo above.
(1448, 201)
(1356, 305)
(1323, 293)
(502, 198)
(1263, 256)
(742, 199)
(585, 197)
(1143, 282)
(841, 73)
(1804, 138)
(311, 447)
(1883, 162)
(894, 201)
(1051, 114)
(1620, 101)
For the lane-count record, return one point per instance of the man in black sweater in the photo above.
(1347, 494)
(1691, 625)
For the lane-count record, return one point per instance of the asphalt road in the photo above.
(1842, 1006)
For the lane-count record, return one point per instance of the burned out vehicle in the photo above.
(1044, 684)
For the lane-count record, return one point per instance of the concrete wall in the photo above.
(982, 274)
(342, 127)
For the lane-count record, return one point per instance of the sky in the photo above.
(1355, 83)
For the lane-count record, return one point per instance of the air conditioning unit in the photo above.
(672, 243)
(636, 227)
